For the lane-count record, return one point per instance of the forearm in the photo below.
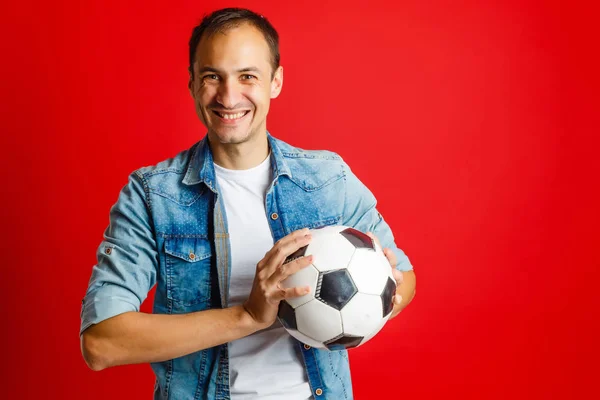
(135, 337)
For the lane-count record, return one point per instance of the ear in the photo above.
(190, 80)
(277, 82)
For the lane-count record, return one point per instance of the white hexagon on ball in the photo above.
(380, 326)
(362, 315)
(318, 321)
(326, 230)
(331, 251)
(305, 277)
(370, 271)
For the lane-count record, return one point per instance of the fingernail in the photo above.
(398, 299)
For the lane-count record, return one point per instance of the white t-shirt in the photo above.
(267, 364)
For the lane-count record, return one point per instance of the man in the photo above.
(212, 228)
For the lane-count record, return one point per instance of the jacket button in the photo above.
(192, 256)
(306, 347)
(274, 216)
(319, 391)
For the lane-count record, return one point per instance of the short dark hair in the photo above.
(227, 18)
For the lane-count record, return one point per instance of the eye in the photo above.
(211, 77)
(248, 77)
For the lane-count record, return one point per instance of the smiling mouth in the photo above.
(231, 116)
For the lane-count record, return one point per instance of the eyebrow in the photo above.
(213, 69)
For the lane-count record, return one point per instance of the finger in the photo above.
(287, 269)
(398, 276)
(295, 235)
(397, 299)
(289, 293)
(279, 246)
(389, 254)
(292, 237)
(372, 236)
(283, 250)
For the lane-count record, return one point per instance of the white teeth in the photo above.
(233, 116)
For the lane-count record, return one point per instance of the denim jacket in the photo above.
(169, 228)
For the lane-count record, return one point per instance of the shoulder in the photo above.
(304, 160)
(167, 178)
(311, 169)
(297, 153)
(173, 167)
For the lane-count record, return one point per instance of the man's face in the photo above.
(232, 86)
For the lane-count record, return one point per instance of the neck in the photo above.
(240, 156)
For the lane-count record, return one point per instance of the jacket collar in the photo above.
(201, 169)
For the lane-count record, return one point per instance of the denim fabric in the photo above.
(169, 228)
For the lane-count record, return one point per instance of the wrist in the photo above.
(246, 321)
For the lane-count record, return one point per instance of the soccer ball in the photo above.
(351, 290)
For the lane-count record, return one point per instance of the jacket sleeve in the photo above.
(360, 212)
(127, 259)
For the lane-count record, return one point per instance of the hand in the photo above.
(266, 293)
(389, 254)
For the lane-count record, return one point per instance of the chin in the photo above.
(232, 137)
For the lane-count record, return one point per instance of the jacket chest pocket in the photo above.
(188, 265)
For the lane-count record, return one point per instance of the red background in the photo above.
(474, 123)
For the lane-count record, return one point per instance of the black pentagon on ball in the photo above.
(387, 296)
(335, 288)
(343, 342)
(358, 239)
(297, 254)
(287, 315)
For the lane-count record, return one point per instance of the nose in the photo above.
(229, 93)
